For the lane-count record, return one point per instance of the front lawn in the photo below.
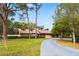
(68, 43)
(21, 47)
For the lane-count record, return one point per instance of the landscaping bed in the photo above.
(68, 43)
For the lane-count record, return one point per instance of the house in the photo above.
(40, 32)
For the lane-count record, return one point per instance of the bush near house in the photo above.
(77, 39)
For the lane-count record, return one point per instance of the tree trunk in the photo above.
(73, 36)
(28, 24)
(61, 36)
(73, 28)
(36, 24)
(4, 30)
(4, 18)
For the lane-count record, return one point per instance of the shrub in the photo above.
(77, 39)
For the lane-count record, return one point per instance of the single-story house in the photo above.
(40, 32)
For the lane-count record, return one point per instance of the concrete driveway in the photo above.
(50, 47)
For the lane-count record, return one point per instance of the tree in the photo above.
(26, 10)
(70, 10)
(10, 26)
(7, 10)
(61, 27)
(0, 27)
(24, 25)
(36, 7)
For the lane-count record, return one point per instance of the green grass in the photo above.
(21, 47)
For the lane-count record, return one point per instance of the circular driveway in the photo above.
(49, 47)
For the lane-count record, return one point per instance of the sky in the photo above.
(46, 12)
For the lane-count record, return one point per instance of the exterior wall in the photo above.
(48, 36)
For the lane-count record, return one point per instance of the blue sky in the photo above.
(45, 15)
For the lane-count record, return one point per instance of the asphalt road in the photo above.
(50, 47)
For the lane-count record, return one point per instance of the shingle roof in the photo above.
(34, 31)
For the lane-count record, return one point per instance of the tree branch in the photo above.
(1, 17)
(9, 5)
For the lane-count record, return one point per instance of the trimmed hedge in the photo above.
(14, 37)
(23, 36)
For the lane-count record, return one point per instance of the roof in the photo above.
(39, 31)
